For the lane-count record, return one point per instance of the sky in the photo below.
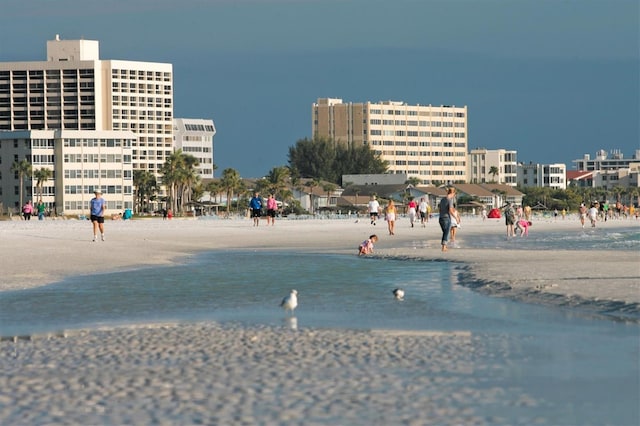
(552, 79)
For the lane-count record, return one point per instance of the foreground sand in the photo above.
(38, 253)
(207, 374)
(230, 375)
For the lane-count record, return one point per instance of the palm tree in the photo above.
(41, 176)
(414, 181)
(213, 188)
(312, 183)
(188, 179)
(329, 188)
(22, 168)
(493, 171)
(146, 186)
(178, 175)
(230, 182)
(277, 180)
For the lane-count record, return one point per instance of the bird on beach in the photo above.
(290, 302)
(398, 293)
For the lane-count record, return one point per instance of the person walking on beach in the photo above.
(423, 207)
(510, 220)
(446, 210)
(413, 207)
(97, 208)
(583, 213)
(593, 214)
(40, 208)
(255, 204)
(390, 217)
(27, 210)
(272, 207)
(374, 209)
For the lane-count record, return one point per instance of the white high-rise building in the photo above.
(422, 141)
(195, 137)
(73, 89)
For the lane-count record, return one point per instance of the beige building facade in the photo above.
(482, 161)
(422, 141)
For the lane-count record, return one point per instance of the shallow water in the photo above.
(578, 369)
(576, 238)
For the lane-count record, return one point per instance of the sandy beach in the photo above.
(207, 373)
(38, 253)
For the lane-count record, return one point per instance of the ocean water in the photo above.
(588, 238)
(580, 368)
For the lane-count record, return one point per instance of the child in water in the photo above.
(366, 247)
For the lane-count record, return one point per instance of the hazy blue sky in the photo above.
(551, 79)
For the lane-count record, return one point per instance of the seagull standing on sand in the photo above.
(398, 293)
(290, 302)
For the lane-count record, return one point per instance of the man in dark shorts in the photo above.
(97, 206)
(374, 208)
(256, 208)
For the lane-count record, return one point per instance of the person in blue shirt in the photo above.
(256, 208)
(97, 206)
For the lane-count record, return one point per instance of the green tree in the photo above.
(322, 158)
(329, 187)
(230, 183)
(179, 175)
(494, 171)
(22, 168)
(41, 175)
(311, 183)
(146, 187)
(213, 188)
(414, 181)
(276, 182)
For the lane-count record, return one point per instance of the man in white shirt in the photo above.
(374, 209)
(422, 208)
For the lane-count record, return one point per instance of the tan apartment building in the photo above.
(73, 89)
(426, 142)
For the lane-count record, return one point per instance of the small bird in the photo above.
(290, 302)
(398, 293)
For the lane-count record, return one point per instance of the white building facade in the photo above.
(542, 175)
(604, 161)
(422, 141)
(195, 137)
(74, 90)
(80, 162)
(504, 162)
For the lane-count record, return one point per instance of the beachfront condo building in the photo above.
(534, 175)
(426, 142)
(604, 161)
(74, 90)
(80, 162)
(493, 165)
(194, 136)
